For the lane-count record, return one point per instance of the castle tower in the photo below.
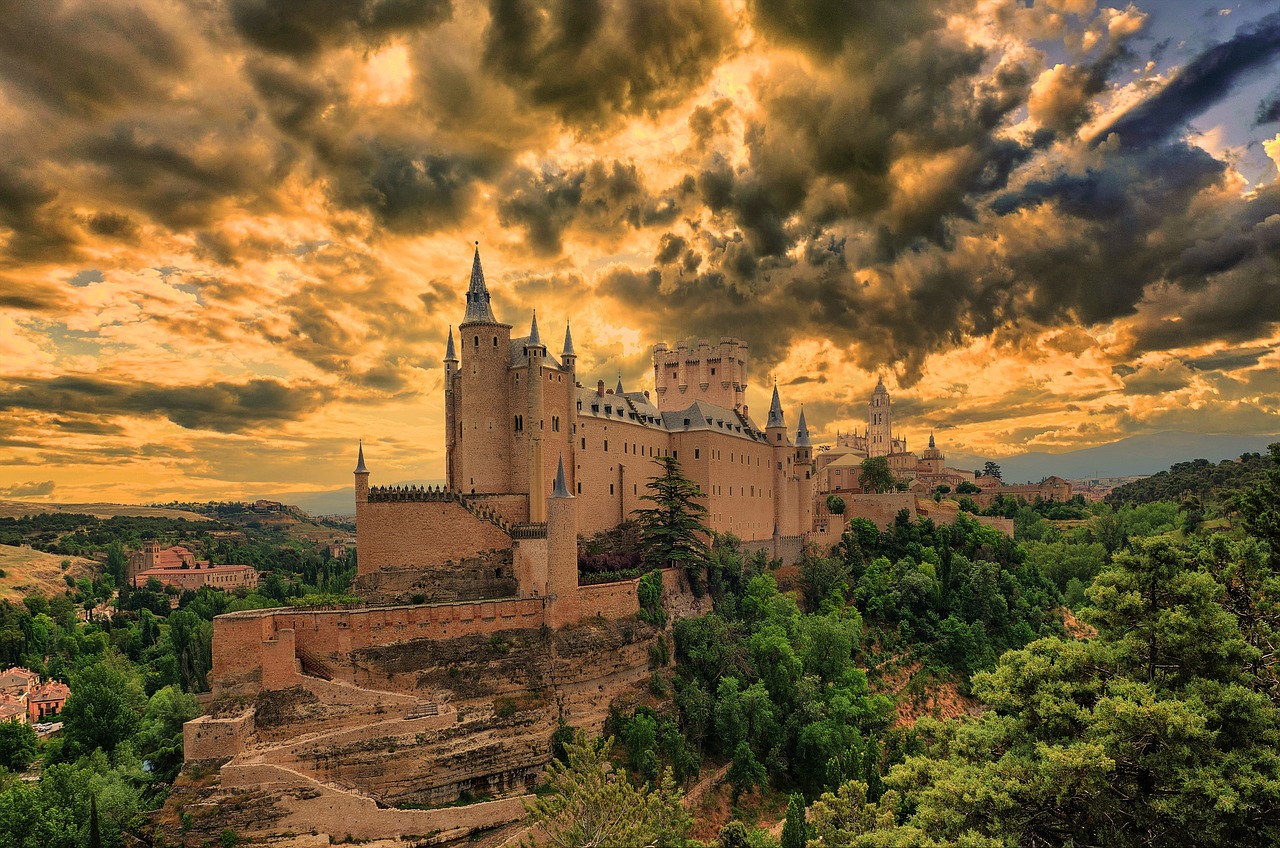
(562, 553)
(536, 353)
(450, 410)
(362, 508)
(880, 422)
(484, 443)
(716, 375)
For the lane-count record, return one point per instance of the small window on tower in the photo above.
(477, 341)
(713, 372)
(495, 341)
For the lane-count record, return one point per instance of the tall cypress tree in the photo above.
(95, 835)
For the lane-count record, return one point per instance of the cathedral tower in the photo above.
(879, 422)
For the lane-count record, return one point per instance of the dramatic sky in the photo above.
(234, 233)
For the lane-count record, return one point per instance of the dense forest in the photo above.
(1150, 716)
(1157, 723)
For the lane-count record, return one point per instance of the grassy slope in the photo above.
(27, 572)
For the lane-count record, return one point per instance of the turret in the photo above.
(362, 478)
(562, 553)
(776, 426)
(804, 447)
(567, 356)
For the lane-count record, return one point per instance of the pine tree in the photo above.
(672, 531)
(795, 831)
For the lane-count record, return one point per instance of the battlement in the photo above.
(419, 494)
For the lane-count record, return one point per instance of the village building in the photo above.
(177, 566)
(24, 698)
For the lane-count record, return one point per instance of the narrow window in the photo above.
(611, 488)
(477, 341)
(606, 445)
(697, 454)
(495, 341)
(584, 442)
(579, 488)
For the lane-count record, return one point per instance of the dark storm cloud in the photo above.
(1206, 80)
(1268, 111)
(407, 187)
(1228, 360)
(302, 28)
(29, 213)
(222, 406)
(590, 60)
(825, 144)
(87, 57)
(828, 25)
(159, 177)
(602, 197)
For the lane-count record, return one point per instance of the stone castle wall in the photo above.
(488, 575)
(424, 533)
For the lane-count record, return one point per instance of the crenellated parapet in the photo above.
(417, 494)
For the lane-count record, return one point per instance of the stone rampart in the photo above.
(215, 738)
(485, 576)
(395, 533)
(609, 600)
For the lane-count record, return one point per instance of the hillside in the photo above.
(1146, 454)
(28, 572)
(1209, 482)
(17, 509)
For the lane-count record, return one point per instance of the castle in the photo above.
(542, 459)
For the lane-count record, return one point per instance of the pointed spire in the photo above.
(450, 355)
(478, 308)
(360, 469)
(880, 384)
(534, 338)
(619, 390)
(931, 444)
(802, 434)
(561, 490)
(568, 342)
(775, 409)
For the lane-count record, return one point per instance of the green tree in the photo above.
(192, 640)
(991, 469)
(874, 475)
(967, 488)
(672, 531)
(1260, 506)
(105, 705)
(17, 745)
(590, 803)
(117, 562)
(795, 831)
(1152, 733)
(835, 505)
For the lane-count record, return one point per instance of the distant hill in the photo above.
(17, 509)
(1146, 454)
(336, 501)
